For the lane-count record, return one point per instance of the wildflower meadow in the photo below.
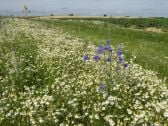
(50, 78)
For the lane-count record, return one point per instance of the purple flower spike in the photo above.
(85, 58)
(100, 49)
(108, 60)
(96, 58)
(107, 48)
(119, 52)
(121, 59)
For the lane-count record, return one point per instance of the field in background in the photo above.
(145, 38)
(133, 22)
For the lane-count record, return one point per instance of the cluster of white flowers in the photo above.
(44, 81)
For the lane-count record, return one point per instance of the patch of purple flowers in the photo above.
(100, 49)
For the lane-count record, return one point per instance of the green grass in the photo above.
(150, 49)
(140, 23)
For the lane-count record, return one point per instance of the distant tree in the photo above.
(51, 14)
(162, 17)
(71, 14)
(105, 15)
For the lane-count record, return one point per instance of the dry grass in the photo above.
(153, 29)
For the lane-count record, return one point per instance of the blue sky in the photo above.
(87, 7)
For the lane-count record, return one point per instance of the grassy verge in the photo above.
(150, 49)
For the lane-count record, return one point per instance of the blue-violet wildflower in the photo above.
(101, 87)
(120, 59)
(119, 52)
(100, 49)
(107, 48)
(108, 60)
(125, 65)
(96, 58)
(85, 58)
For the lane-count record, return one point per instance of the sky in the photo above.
(149, 8)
